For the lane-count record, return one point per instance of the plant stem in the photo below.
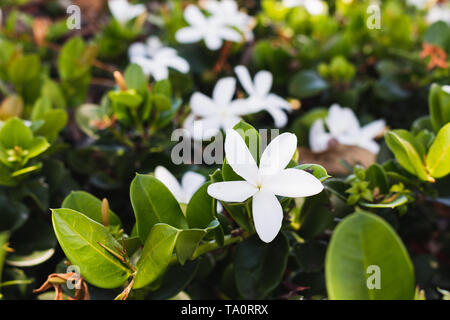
(210, 246)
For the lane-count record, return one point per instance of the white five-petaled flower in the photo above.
(123, 11)
(266, 182)
(227, 11)
(260, 97)
(190, 183)
(314, 7)
(210, 115)
(211, 29)
(155, 59)
(344, 127)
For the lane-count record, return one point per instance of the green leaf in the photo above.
(316, 170)
(54, 121)
(187, 242)
(259, 267)
(33, 244)
(158, 249)
(129, 98)
(306, 84)
(315, 216)
(79, 237)
(201, 208)
(161, 102)
(15, 133)
(153, 203)
(377, 178)
(90, 206)
(359, 241)
(4, 237)
(406, 154)
(390, 202)
(135, 78)
(439, 104)
(438, 157)
(36, 147)
(24, 69)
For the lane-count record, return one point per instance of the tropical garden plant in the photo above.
(224, 149)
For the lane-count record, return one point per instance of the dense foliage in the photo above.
(87, 143)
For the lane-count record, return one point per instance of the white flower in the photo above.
(210, 29)
(314, 7)
(266, 182)
(446, 88)
(123, 11)
(260, 97)
(155, 59)
(190, 183)
(439, 12)
(216, 113)
(344, 127)
(227, 12)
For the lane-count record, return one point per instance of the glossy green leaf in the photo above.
(158, 249)
(390, 202)
(438, 157)
(88, 205)
(79, 237)
(439, 105)
(377, 178)
(187, 241)
(306, 84)
(153, 203)
(406, 154)
(316, 170)
(259, 267)
(15, 133)
(361, 241)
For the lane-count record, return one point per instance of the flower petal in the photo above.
(160, 72)
(232, 191)
(190, 183)
(263, 82)
(202, 105)
(137, 49)
(318, 137)
(373, 129)
(245, 79)
(188, 35)
(203, 129)
(178, 63)
(278, 154)
(370, 145)
(239, 157)
(194, 16)
(163, 175)
(230, 34)
(279, 117)
(267, 215)
(293, 183)
(213, 41)
(342, 121)
(224, 90)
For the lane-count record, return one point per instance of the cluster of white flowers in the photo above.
(123, 11)
(439, 12)
(224, 22)
(222, 112)
(344, 127)
(264, 182)
(155, 59)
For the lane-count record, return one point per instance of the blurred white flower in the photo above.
(266, 182)
(123, 11)
(216, 113)
(155, 59)
(228, 13)
(190, 183)
(446, 88)
(260, 97)
(439, 12)
(211, 29)
(344, 127)
(314, 7)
